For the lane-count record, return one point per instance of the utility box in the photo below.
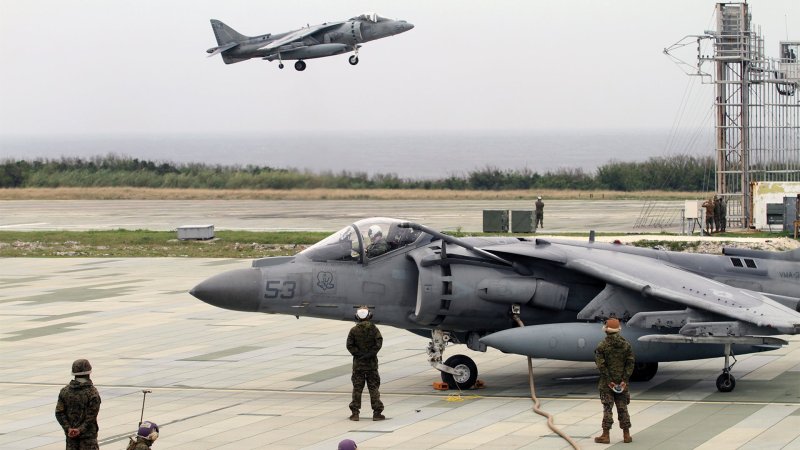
(198, 232)
(774, 214)
(691, 209)
(495, 221)
(522, 221)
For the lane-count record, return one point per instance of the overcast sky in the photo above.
(121, 67)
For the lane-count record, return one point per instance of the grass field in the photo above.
(226, 244)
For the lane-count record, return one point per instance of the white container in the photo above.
(196, 232)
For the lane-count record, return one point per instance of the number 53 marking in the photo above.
(278, 288)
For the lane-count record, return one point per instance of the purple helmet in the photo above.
(148, 430)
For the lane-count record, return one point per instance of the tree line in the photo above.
(672, 173)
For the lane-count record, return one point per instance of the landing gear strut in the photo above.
(280, 62)
(726, 382)
(353, 59)
(459, 371)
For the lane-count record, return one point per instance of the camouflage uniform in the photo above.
(723, 214)
(377, 248)
(539, 214)
(614, 359)
(709, 206)
(717, 214)
(364, 342)
(140, 444)
(77, 407)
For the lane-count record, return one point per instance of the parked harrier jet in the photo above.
(316, 41)
(472, 291)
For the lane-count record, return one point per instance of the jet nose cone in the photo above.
(401, 26)
(237, 290)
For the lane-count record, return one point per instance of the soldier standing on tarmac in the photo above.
(614, 359)
(539, 217)
(709, 207)
(77, 408)
(364, 342)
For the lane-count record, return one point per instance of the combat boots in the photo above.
(626, 436)
(378, 416)
(354, 417)
(603, 438)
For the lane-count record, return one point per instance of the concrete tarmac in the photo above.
(232, 380)
(323, 215)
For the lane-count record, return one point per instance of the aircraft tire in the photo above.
(470, 372)
(726, 382)
(644, 371)
(280, 66)
(300, 65)
(353, 60)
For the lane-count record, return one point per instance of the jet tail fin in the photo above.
(225, 34)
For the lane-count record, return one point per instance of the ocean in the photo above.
(416, 155)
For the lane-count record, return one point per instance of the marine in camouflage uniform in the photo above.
(709, 207)
(364, 342)
(145, 437)
(614, 359)
(77, 409)
(539, 214)
(717, 213)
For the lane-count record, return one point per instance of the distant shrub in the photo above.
(676, 173)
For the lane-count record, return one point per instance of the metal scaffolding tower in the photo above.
(757, 107)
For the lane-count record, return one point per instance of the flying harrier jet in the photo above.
(317, 41)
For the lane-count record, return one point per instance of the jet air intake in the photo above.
(530, 291)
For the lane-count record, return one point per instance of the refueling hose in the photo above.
(536, 409)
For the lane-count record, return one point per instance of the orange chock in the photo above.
(441, 386)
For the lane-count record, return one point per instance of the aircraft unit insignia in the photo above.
(325, 281)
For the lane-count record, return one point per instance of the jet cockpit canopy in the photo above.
(352, 242)
(371, 17)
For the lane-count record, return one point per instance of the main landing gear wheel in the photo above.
(468, 372)
(644, 371)
(726, 382)
(300, 65)
(353, 60)
(280, 66)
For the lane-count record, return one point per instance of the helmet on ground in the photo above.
(148, 430)
(81, 367)
(374, 231)
(363, 313)
(612, 325)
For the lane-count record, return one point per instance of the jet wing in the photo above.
(298, 35)
(662, 281)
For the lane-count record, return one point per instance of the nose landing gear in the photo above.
(726, 382)
(459, 371)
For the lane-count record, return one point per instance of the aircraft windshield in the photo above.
(370, 237)
(343, 245)
(371, 17)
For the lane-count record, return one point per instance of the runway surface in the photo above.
(319, 215)
(230, 380)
